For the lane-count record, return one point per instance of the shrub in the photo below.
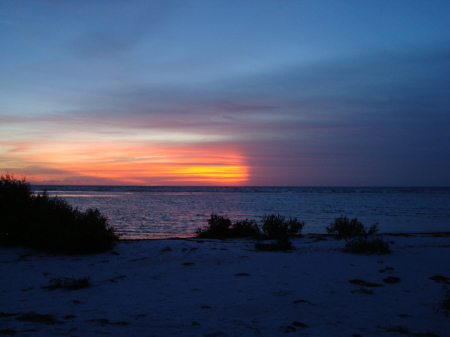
(245, 228)
(345, 228)
(221, 228)
(50, 224)
(15, 205)
(366, 245)
(218, 228)
(276, 227)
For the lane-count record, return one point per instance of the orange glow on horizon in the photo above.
(162, 173)
(135, 165)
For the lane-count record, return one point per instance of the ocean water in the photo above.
(168, 212)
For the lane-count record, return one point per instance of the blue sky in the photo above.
(340, 93)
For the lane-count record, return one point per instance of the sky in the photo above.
(233, 93)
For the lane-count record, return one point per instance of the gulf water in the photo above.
(169, 212)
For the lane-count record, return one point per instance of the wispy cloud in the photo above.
(143, 93)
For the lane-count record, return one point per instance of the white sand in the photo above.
(226, 288)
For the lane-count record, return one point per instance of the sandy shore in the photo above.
(218, 288)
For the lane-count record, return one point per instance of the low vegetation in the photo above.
(220, 227)
(359, 238)
(344, 228)
(49, 224)
(274, 226)
(245, 228)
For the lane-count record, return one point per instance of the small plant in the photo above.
(366, 245)
(345, 228)
(275, 226)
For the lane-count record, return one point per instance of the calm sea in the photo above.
(163, 212)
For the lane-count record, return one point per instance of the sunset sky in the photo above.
(291, 93)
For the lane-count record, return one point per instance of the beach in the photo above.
(212, 288)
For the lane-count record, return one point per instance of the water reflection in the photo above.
(178, 212)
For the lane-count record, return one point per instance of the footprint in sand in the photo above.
(440, 279)
(365, 284)
(391, 279)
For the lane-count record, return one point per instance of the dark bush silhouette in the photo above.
(49, 224)
(345, 228)
(359, 239)
(16, 200)
(220, 227)
(245, 228)
(275, 226)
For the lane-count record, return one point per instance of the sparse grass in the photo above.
(68, 283)
(49, 224)
(367, 245)
(344, 228)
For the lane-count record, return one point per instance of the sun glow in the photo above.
(133, 164)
